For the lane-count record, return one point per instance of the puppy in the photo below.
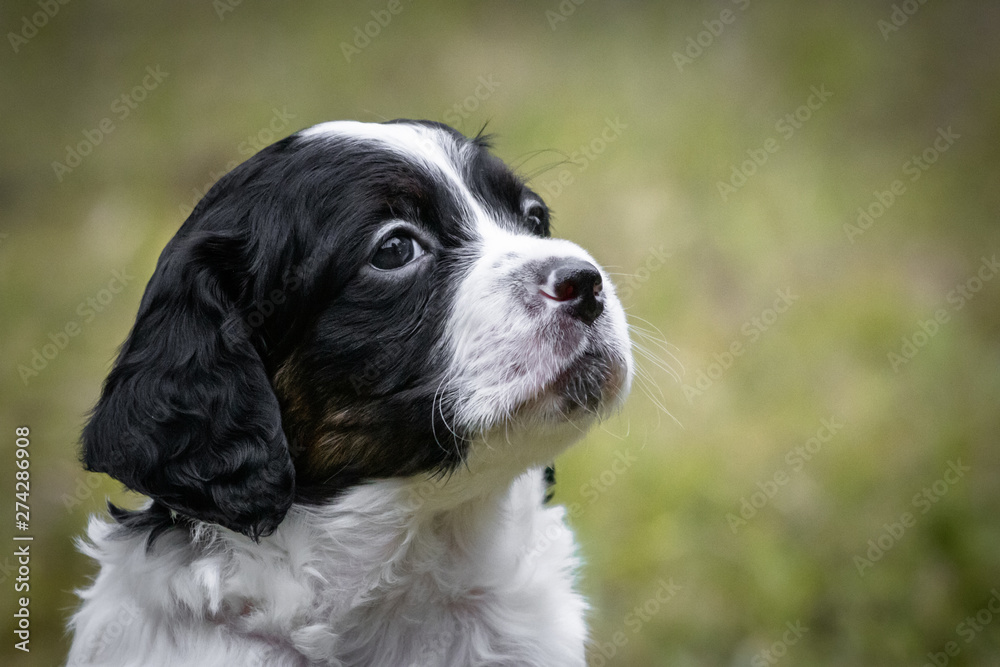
(346, 378)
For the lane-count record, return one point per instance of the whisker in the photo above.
(658, 341)
(438, 406)
(656, 361)
(544, 168)
(614, 435)
(642, 337)
(522, 161)
(657, 402)
(654, 334)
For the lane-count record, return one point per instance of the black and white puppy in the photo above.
(347, 375)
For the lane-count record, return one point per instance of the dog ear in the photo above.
(187, 416)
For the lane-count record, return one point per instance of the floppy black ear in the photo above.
(187, 416)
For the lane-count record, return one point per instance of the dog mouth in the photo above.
(592, 384)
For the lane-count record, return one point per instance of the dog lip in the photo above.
(549, 296)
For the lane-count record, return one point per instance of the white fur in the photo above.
(436, 152)
(508, 345)
(398, 572)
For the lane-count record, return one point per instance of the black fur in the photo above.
(154, 521)
(269, 363)
(550, 482)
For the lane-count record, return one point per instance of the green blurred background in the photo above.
(707, 534)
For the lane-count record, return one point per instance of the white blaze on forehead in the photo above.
(433, 149)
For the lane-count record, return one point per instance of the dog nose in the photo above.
(577, 284)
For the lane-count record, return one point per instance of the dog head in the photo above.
(356, 301)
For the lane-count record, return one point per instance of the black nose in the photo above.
(577, 284)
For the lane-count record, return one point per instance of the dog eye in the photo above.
(536, 216)
(396, 251)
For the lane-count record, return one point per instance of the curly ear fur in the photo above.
(187, 416)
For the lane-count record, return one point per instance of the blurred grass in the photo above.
(663, 518)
